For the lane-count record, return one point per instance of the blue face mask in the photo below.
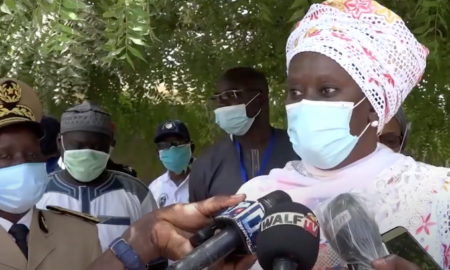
(22, 186)
(176, 159)
(233, 119)
(320, 131)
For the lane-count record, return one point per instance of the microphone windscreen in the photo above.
(273, 198)
(289, 230)
(350, 230)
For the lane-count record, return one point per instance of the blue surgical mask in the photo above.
(320, 131)
(22, 186)
(176, 159)
(233, 119)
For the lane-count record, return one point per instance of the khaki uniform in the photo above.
(58, 238)
(56, 241)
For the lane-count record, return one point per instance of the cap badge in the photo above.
(10, 92)
(169, 126)
(10, 95)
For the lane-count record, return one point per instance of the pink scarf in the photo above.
(309, 185)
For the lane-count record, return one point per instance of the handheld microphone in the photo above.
(202, 235)
(289, 238)
(158, 264)
(351, 232)
(238, 227)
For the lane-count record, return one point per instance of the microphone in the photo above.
(158, 264)
(289, 238)
(238, 227)
(202, 235)
(350, 231)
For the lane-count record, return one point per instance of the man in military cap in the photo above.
(30, 238)
(85, 184)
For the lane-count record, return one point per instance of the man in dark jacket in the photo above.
(49, 148)
(252, 147)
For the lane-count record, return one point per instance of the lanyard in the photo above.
(264, 160)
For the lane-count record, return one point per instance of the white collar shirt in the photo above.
(166, 192)
(25, 220)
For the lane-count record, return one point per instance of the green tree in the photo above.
(117, 52)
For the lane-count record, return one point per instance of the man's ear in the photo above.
(113, 142)
(264, 96)
(59, 143)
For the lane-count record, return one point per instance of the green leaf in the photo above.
(442, 22)
(299, 3)
(4, 8)
(11, 4)
(138, 12)
(61, 38)
(66, 29)
(265, 13)
(69, 15)
(108, 14)
(130, 61)
(137, 41)
(6, 18)
(136, 53)
(74, 4)
(117, 51)
(138, 28)
(76, 64)
(297, 15)
(429, 4)
(420, 30)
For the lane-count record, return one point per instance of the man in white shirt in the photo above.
(175, 149)
(85, 185)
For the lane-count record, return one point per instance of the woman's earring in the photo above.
(374, 124)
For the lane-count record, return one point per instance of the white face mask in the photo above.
(111, 149)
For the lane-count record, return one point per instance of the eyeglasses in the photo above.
(391, 140)
(227, 95)
(167, 145)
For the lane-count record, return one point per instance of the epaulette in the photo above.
(42, 222)
(68, 212)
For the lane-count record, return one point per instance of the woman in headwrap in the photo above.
(350, 66)
(396, 132)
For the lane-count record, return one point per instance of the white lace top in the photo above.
(411, 194)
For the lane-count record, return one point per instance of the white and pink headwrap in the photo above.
(371, 43)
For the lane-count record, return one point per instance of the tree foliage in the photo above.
(117, 52)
